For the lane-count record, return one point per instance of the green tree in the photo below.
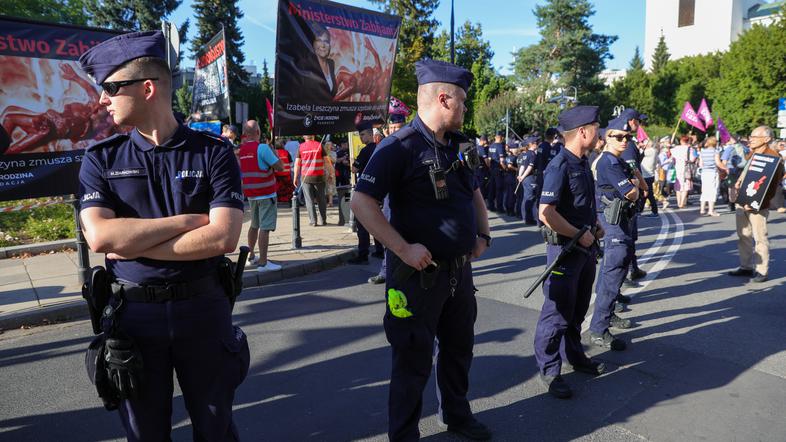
(57, 11)
(267, 83)
(183, 99)
(568, 55)
(210, 15)
(415, 42)
(752, 76)
(636, 63)
(661, 55)
(130, 15)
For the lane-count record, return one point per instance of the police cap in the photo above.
(435, 71)
(619, 123)
(100, 61)
(397, 118)
(576, 117)
(630, 114)
(363, 125)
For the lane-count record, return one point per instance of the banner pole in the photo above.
(83, 257)
(676, 127)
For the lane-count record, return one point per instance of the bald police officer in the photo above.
(567, 204)
(164, 203)
(438, 223)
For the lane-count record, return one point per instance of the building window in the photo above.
(687, 11)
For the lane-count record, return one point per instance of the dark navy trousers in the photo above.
(510, 198)
(436, 314)
(567, 293)
(617, 255)
(195, 339)
(531, 194)
(364, 241)
(496, 190)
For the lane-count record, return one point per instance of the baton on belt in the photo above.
(567, 248)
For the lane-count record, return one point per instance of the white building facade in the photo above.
(694, 27)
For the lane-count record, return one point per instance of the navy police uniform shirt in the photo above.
(613, 178)
(631, 155)
(526, 159)
(496, 151)
(190, 173)
(364, 155)
(568, 185)
(400, 167)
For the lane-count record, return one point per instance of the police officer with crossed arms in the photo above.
(164, 204)
(438, 224)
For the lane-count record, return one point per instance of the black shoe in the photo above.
(557, 386)
(607, 340)
(631, 284)
(759, 278)
(619, 307)
(618, 322)
(471, 429)
(358, 260)
(591, 367)
(623, 299)
(637, 274)
(741, 272)
(378, 279)
(379, 255)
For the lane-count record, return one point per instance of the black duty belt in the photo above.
(175, 291)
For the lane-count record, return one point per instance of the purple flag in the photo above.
(690, 117)
(704, 113)
(725, 136)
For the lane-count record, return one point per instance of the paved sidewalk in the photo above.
(45, 287)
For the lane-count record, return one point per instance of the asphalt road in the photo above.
(706, 359)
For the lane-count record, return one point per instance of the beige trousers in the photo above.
(752, 228)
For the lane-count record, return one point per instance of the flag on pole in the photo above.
(725, 136)
(690, 117)
(704, 113)
(641, 135)
(269, 113)
(397, 106)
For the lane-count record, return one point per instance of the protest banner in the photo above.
(49, 108)
(756, 179)
(210, 94)
(334, 65)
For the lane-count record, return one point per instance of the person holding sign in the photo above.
(753, 245)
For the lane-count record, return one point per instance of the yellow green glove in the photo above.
(398, 304)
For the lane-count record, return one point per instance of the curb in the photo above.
(37, 248)
(72, 310)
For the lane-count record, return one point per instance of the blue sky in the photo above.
(507, 25)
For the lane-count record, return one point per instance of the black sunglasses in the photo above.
(113, 87)
(620, 138)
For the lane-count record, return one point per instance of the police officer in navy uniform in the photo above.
(527, 176)
(616, 188)
(482, 172)
(438, 223)
(164, 203)
(509, 177)
(496, 156)
(632, 118)
(567, 204)
(365, 129)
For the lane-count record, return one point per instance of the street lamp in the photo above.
(563, 100)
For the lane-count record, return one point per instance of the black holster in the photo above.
(231, 274)
(97, 292)
(615, 210)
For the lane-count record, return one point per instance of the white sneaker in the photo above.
(270, 266)
(252, 260)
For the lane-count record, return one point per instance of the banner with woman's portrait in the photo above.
(334, 65)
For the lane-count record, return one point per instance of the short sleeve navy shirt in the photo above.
(400, 167)
(364, 155)
(568, 185)
(192, 172)
(631, 155)
(496, 152)
(527, 159)
(613, 178)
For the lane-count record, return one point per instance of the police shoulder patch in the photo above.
(114, 140)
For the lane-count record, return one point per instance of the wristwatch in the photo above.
(486, 237)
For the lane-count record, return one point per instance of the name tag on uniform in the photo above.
(125, 173)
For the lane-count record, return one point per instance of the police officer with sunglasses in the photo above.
(164, 203)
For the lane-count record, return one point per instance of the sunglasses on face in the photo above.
(113, 87)
(621, 138)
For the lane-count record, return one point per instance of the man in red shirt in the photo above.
(310, 167)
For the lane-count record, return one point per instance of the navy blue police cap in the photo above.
(397, 118)
(619, 123)
(435, 71)
(364, 125)
(630, 114)
(576, 117)
(602, 132)
(500, 133)
(484, 138)
(100, 61)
